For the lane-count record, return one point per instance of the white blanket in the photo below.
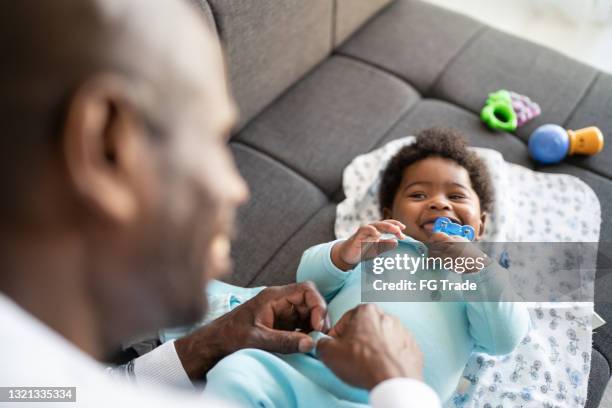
(550, 367)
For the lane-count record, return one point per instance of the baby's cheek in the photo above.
(471, 216)
(413, 229)
(406, 213)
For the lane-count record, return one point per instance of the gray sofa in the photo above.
(321, 81)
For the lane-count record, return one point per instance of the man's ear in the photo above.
(100, 142)
(483, 224)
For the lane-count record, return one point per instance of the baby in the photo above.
(437, 176)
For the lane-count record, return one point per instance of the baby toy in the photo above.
(550, 144)
(506, 110)
(443, 224)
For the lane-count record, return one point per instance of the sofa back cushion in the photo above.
(269, 45)
(352, 14)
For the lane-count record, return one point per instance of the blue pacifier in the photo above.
(443, 224)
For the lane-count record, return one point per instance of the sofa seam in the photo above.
(364, 24)
(285, 242)
(236, 138)
(371, 64)
(376, 143)
(379, 71)
(477, 34)
(390, 129)
(280, 162)
(540, 167)
(467, 109)
(586, 92)
(334, 24)
(605, 357)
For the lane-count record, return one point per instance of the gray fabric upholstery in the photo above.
(413, 40)
(205, 10)
(600, 371)
(351, 14)
(410, 66)
(270, 44)
(281, 269)
(596, 109)
(496, 60)
(431, 112)
(339, 111)
(281, 202)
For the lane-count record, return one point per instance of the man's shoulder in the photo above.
(33, 355)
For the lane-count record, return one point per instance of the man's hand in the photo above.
(268, 321)
(366, 243)
(368, 347)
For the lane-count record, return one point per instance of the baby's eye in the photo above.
(418, 196)
(456, 196)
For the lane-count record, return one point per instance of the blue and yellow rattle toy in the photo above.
(443, 224)
(550, 143)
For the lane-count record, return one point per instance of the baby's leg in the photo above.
(255, 378)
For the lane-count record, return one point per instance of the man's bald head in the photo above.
(51, 48)
(113, 161)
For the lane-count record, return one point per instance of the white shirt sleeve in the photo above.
(403, 393)
(161, 366)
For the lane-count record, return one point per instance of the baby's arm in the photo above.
(316, 266)
(500, 321)
(330, 265)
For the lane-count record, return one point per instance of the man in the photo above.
(118, 194)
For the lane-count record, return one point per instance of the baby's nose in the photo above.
(439, 204)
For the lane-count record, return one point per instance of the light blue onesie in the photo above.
(446, 332)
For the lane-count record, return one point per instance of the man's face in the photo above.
(194, 190)
(202, 193)
(431, 188)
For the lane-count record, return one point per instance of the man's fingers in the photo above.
(341, 325)
(329, 348)
(286, 342)
(318, 319)
(307, 299)
(317, 306)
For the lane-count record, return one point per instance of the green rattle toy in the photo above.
(507, 110)
(498, 113)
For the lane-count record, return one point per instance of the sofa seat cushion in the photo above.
(412, 39)
(281, 202)
(337, 112)
(433, 112)
(595, 109)
(600, 372)
(496, 60)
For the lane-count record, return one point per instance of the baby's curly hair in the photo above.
(436, 142)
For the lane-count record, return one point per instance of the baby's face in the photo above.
(431, 188)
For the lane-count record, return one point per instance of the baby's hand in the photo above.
(346, 254)
(453, 246)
